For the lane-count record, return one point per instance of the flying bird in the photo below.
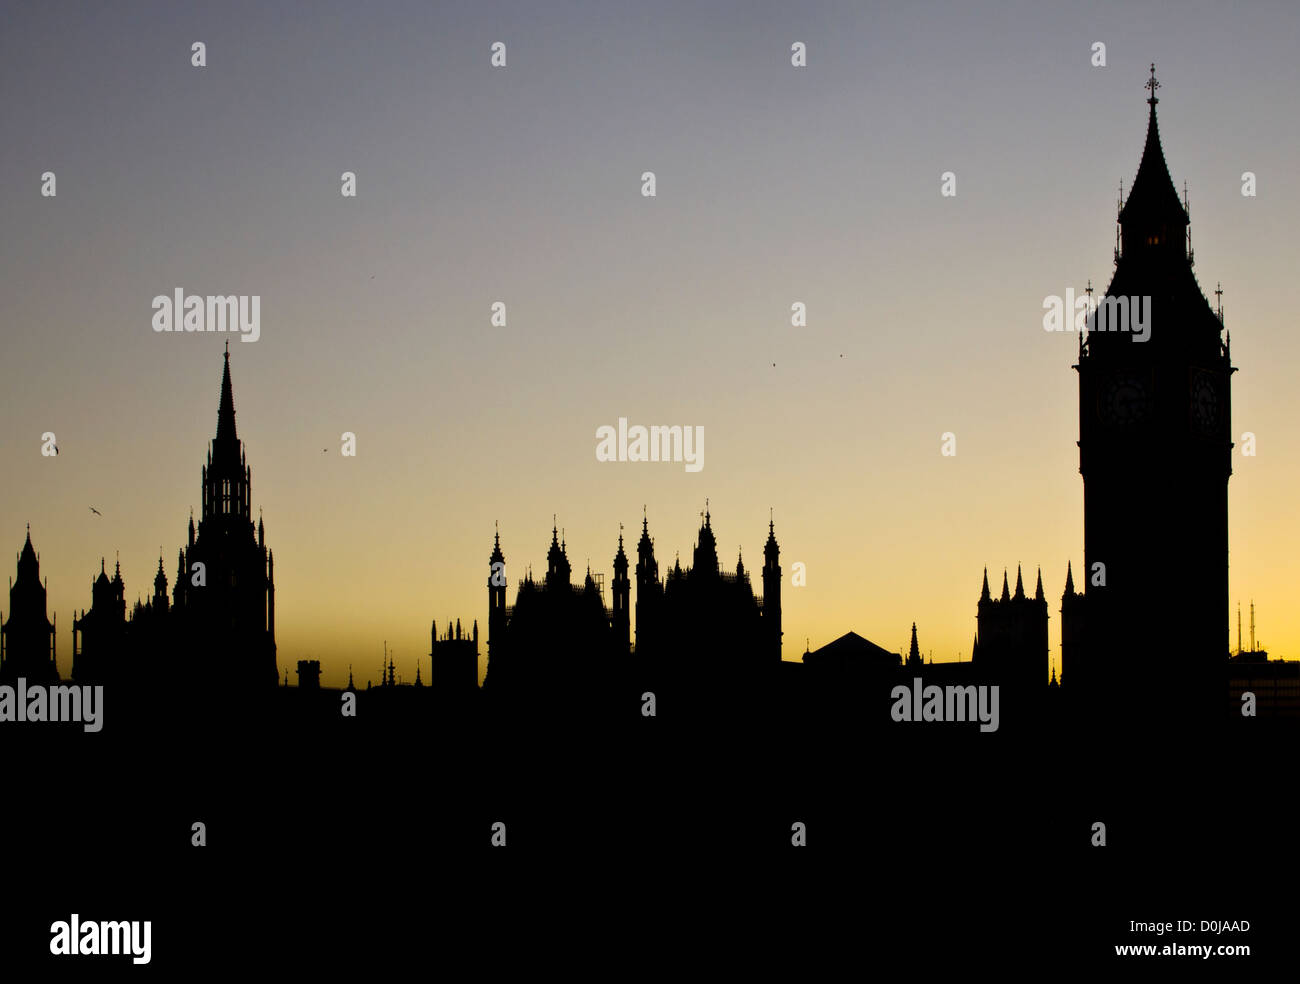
(96, 511)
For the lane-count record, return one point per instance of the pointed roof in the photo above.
(706, 529)
(1006, 591)
(28, 554)
(1069, 579)
(620, 558)
(645, 545)
(1153, 192)
(1038, 591)
(226, 409)
(852, 649)
(984, 592)
(1020, 586)
(497, 556)
(914, 651)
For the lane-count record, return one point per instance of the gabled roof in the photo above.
(851, 647)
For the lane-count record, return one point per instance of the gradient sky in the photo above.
(522, 185)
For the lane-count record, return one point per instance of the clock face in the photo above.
(1125, 399)
(1206, 402)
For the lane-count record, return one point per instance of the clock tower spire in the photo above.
(1155, 453)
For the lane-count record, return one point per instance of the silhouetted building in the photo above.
(27, 647)
(1011, 637)
(221, 618)
(1072, 620)
(697, 628)
(453, 662)
(557, 638)
(1155, 453)
(309, 674)
(226, 607)
(703, 623)
(99, 636)
(852, 654)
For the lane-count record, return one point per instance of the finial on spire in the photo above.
(228, 359)
(1151, 84)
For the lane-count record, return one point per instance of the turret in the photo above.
(772, 594)
(621, 619)
(496, 596)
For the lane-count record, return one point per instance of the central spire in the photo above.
(226, 410)
(1153, 201)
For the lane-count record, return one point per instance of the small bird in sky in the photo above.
(96, 511)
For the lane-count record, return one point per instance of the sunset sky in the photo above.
(522, 184)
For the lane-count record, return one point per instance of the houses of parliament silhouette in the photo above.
(1147, 635)
(219, 620)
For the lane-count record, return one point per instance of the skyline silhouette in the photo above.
(443, 403)
(1133, 387)
(597, 475)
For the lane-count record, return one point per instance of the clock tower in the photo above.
(1155, 452)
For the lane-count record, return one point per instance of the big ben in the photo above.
(1150, 639)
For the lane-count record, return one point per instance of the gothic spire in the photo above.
(1038, 591)
(1152, 195)
(1020, 586)
(984, 592)
(620, 558)
(771, 552)
(1006, 591)
(1069, 579)
(497, 556)
(226, 410)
